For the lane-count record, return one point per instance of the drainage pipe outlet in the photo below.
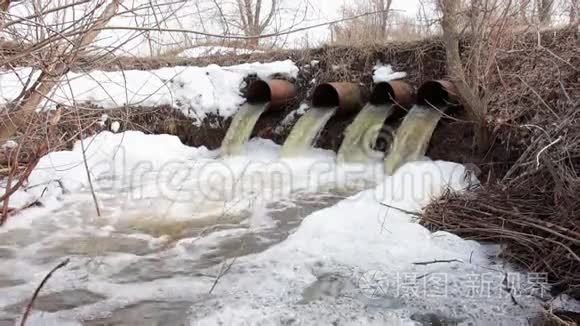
(276, 91)
(438, 93)
(397, 92)
(346, 96)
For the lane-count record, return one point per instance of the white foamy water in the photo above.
(299, 241)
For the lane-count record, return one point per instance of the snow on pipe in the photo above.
(397, 92)
(276, 91)
(438, 93)
(346, 96)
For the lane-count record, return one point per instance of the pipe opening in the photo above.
(383, 93)
(395, 91)
(259, 92)
(325, 95)
(437, 93)
(277, 92)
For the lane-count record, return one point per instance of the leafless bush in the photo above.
(532, 207)
(483, 26)
(365, 30)
(385, 25)
(51, 36)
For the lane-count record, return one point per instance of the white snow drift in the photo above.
(196, 91)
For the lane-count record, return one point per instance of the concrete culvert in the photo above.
(397, 92)
(346, 96)
(276, 91)
(438, 93)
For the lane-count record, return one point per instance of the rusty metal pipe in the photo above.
(346, 96)
(276, 91)
(438, 93)
(397, 92)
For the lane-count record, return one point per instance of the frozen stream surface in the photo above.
(188, 238)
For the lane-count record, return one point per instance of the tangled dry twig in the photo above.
(533, 208)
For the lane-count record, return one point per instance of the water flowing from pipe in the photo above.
(306, 131)
(241, 128)
(412, 137)
(361, 135)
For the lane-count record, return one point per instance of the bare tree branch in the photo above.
(4, 4)
(456, 70)
(37, 291)
(51, 76)
(235, 36)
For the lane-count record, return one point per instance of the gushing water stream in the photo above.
(306, 131)
(412, 137)
(362, 134)
(241, 127)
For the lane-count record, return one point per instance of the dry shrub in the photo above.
(533, 206)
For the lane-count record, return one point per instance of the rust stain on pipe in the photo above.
(438, 93)
(346, 96)
(276, 91)
(394, 91)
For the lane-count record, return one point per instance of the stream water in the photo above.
(140, 249)
(247, 241)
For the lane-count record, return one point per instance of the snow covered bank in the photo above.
(140, 167)
(196, 91)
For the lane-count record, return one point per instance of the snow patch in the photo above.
(291, 118)
(566, 303)
(103, 120)
(115, 125)
(385, 73)
(196, 91)
(19, 199)
(9, 144)
(108, 156)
